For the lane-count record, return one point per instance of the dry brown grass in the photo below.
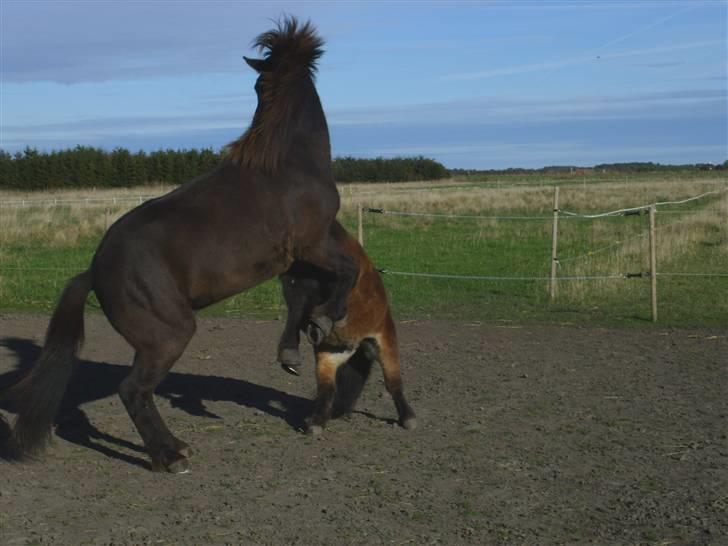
(64, 224)
(453, 197)
(679, 237)
(445, 196)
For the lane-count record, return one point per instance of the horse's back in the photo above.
(209, 239)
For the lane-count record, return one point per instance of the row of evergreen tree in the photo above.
(398, 169)
(621, 168)
(85, 166)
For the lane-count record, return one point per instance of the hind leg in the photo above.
(327, 361)
(162, 345)
(351, 378)
(388, 358)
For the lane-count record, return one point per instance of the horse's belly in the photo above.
(215, 281)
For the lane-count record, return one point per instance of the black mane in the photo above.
(288, 48)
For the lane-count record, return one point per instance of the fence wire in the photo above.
(577, 265)
(495, 278)
(622, 212)
(630, 211)
(446, 215)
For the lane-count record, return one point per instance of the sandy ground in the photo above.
(533, 435)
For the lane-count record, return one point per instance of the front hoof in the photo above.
(318, 328)
(409, 424)
(290, 360)
(290, 369)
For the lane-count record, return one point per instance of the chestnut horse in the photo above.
(344, 357)
(271, 202)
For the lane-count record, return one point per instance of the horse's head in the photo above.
(261, 66)
(290, 47)
(287, 98)
(290, 52)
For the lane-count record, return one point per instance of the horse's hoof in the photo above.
(318, 328)
(185, 450)
(315, 430)
(290, 360)
(290, 369)
(180, 466)
(409, 424)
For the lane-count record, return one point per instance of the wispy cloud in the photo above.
(70, 42)
(553, 65)
(545, 151)
(645, 28)
(591, 5)
(97, 127)
(486, 154)
(695, 103)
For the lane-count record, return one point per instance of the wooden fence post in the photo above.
(653, 263)
(361, 226)
(554, 243)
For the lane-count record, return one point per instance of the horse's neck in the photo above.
(309, 142)
(311, 129)
(314, 146)
(297, 142)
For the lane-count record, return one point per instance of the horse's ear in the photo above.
(259, 65)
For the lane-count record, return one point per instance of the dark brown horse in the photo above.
(344, 357)
(270, 203)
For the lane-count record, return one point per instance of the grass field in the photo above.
(48, 236)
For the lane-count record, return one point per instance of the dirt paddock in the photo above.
(531, 435)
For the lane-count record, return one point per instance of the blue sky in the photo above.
(471, 84)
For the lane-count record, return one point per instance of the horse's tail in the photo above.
(38, 395)
(350, 379)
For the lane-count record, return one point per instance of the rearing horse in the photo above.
(272, 201)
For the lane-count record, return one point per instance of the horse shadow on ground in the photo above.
(97, 380)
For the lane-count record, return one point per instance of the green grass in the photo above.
(35, 264)
(32, 276)
(519, 249)
(452, 247)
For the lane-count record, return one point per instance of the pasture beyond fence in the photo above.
(464, 260)
(647, 210)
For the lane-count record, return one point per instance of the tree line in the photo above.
(619, 168)
(85, 166)
(398, 169)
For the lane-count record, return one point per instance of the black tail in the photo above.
(38, 395)
(350, 379)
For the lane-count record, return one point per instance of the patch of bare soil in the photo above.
(534, 435)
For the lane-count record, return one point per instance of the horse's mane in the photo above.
(290, 52)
